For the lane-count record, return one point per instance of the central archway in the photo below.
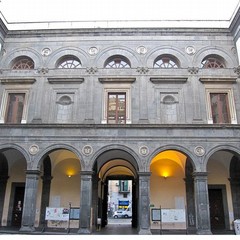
(115, 170)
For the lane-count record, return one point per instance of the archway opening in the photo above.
(12, 187)
(223, 169)
(59, 189)
(115, 187)
(172, 192)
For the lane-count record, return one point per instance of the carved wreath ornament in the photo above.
(199, 151)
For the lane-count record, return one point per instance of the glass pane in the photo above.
(116, 108)
(15, 107)
(219, 105)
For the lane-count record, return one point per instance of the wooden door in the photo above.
(216, 209)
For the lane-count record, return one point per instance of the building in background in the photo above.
(159, 107)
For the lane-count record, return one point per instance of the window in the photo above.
(23, 63)
(117, 62)
(220, 107)
(212, 62)
(69, 62)
(15, 105)
(116, 109)
(220, 104)
(123, 184)
(166, 62)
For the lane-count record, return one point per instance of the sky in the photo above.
(18, 11)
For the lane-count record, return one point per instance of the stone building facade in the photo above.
(160, 107)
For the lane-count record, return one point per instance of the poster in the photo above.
(57, 214)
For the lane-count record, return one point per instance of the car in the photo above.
(122, 214)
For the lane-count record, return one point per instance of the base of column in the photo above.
(27, 229)
(204, 232)
(145, 232)
(84, 231)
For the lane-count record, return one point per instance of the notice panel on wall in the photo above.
(57, 214)
(173, 215)
(74, 213)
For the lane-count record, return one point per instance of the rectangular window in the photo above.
(220, 107)
(14, 109)
(116, 108)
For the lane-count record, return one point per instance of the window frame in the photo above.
(116, 89)
(231, 105)
(18, 61)
(4, 105)
(64, 60)
(126, 65)
(118, 94)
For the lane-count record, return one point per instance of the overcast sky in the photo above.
(112, 10)
(48, 10)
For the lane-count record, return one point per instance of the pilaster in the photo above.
(202, 203)
(30, 199)
(144, 203)
(86, 203)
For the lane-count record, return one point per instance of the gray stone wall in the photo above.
(141, 47)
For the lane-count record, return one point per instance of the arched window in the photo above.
(212, 62)
(23, 63)
(166, 61)
(69, 62)
(117, 62)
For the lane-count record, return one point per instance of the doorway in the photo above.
(217, 205)
(120, 166)
(17, 206)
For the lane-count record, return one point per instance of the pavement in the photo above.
(114, 227)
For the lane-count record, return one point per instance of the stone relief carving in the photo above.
(91, 70)
(93, 50)
(193, 70)
(87, 150)
(142, 70)
(190, 50)
(237, 70)
(143, 150)
(141, 50)
(33, 149)
(199, 151)
(46, 52)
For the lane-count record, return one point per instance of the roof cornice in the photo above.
(3, 29)
(235, 25)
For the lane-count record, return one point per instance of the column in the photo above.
(235, 189)
(30, 199)
(3, 184)
(144, 202)
(202, 203)
(191, 216)
(46, 186)
(86, 202)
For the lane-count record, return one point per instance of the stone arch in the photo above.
(166, 50)
(215, 149)
(41, 155)
(29, 52)
(117, 149)
(21, 150)
(117, 50)
(67, 51)
(204, 52)
(179, 148)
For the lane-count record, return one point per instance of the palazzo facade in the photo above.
(157, 106)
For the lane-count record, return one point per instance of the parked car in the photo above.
(122, 214)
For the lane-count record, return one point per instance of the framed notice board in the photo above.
(156, 214)
(74, 214)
